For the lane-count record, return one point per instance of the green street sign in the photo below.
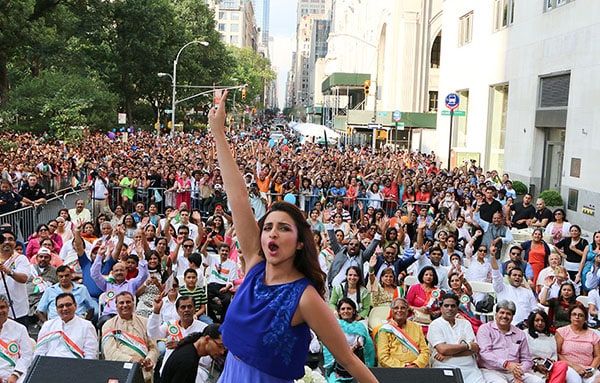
(457, 113)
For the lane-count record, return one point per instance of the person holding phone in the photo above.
(579, 346)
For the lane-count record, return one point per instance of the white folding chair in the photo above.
(484, 288)
(410, 280)
(583, 300)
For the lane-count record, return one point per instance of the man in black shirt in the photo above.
(33, 191)
(490, 205)
(542, 215)
(9, 200)
(524, 212)
(182, 365)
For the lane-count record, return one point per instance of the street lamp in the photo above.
(174, 81)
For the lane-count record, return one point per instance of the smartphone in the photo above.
(589, 370)
(218, 95)
(548, 364)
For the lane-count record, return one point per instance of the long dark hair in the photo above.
(531, 319)
(306, 259)
(212, 330)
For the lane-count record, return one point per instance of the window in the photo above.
(222, 16)
(497, 127)
(554, 91)
(235, 27)
(460, 132)
(435, 51)
(465, 29)
(222, 27)
(551, 4)
(233, 40)
(433, 101)
(503, 13)
(235, 16)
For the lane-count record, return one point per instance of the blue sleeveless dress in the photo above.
(262, 344)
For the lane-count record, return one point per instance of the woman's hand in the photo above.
(216, 116)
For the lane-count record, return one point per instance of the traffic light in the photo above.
(244, 93)
(366, 87)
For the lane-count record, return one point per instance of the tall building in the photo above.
(236, 23)
(382, 57)
(261, 13)
(308, 12)
(526, 73)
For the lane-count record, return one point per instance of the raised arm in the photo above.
(243, 218)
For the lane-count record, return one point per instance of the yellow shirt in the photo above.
(391, 353)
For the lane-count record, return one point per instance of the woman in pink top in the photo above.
(579, 346)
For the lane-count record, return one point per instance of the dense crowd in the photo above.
(476, 277)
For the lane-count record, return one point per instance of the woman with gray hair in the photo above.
(15, 346)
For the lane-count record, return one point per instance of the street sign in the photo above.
(452, 101)
(381, 114)
(457, 113)
(374, 126)
(396, 116)
(399, 125)
(168, 111)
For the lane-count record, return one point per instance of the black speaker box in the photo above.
(418, 375)
(45, 369)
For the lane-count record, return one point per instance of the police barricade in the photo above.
(25, 221)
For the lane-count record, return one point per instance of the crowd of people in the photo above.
(380, 253)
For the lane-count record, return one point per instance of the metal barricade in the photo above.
(25, 221)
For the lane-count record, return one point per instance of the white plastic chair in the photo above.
(484, 288)
(583, 300)
(410, 280)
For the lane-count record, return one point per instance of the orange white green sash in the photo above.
(402, 337)
(133, 342)
(64, 338)
(8, 352)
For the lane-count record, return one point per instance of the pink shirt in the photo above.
(578, 347)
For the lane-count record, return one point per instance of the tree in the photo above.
(254, 70)
(55, 102)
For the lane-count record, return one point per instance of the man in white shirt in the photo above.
(80, 212)
(452, 341)
(15, 346)
(222, 271)
(174, 331)
(479, 271)
(67, 336)
(16, 269)
(513, 291)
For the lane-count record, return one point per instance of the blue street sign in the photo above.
(452, 101)
(396, 116)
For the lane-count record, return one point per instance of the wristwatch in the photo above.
(11, 273)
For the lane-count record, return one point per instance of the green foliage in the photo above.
(254, 70)
(520, 187)
(551, 198)
(55, 102)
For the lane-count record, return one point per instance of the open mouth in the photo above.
(273, 246)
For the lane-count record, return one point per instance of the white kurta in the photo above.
(15, 334)
(16, 290)
(79, 330)
(440, 331)
(156, 330)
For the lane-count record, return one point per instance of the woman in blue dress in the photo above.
(266, 328)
